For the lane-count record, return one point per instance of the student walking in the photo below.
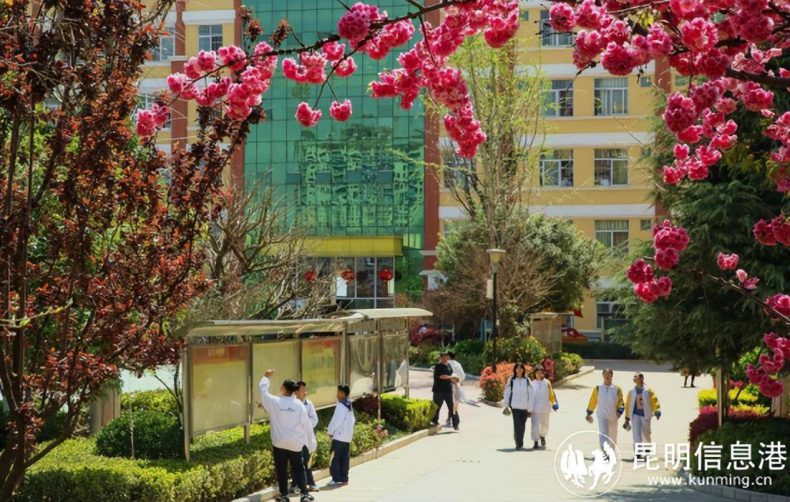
(640, 407)
(543, 401)
(443, 389)
(341, 428)
(458, 392)
(301, 395)
(607, 403)
(518, 401)
(291, 430)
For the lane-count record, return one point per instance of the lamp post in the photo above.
(495, 257)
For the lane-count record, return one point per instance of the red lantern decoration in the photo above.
(385, 274)
(348, 275)
(310, 275)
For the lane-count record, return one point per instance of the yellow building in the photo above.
(591, 174)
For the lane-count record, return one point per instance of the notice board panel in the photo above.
(283, 358)
(219, 387)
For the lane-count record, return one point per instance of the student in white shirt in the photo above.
(518, 401)
(291, 430)
(341, 428)
(458, 392)
(301, 395)
(607, 402)
(544, 400)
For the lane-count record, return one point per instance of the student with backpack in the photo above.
(518, 402)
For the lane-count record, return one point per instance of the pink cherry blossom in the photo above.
(640, 271)
(340, 111)
(746, 281)
(779, 302)
(680, 113)
(667, 259)
(306, 115)
(354, 25)
(727, 261)
(668, 236)
(562, 17)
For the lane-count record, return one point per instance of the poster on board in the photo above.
(321, 369)
(283, 357)
(219, 387)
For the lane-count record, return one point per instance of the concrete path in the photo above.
(479, 463)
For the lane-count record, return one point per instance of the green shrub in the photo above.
(142, 434)
(365, 439)
(600, 350)
(152, 400)
(753, 432)
(407, 414)
(513, 349)
(566, 364)
(707, 397)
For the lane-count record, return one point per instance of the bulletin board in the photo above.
(283, 357)
(321, 369)
(219, 381)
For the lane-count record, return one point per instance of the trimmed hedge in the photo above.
(754, 433)
(407, 414)
(600, 350)
(142, 433)
(708, 418)
(157, 400)
(566, 364)
(707, 397)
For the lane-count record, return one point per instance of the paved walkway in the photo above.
(479, 462)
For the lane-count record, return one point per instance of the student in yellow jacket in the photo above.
(607, 403)
(640, 406)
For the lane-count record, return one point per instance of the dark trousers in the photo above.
(338, 469)
(445, 397)
(281, 460)
(519, 425)
(308, 473)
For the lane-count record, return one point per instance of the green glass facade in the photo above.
(364, 177)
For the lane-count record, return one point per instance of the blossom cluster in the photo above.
(728, 42)
(668, 241)
(363, 29)
(767, 375)
(776, 231)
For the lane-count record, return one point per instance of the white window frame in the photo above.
(558, 98)
(604, 161)
(549, 37)
(207, 42)
(166, 48)
(611, 309)
(611, 96)
(561, 162)
(606, 236)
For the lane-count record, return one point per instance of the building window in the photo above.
(359, 282)
(167, 46)
(457, 170)
(210, 37)
(681, 81)
(556, 169)
(550, 38)
(645, 81)
(145, 101)
(613, 234)
(611, 96)
(606, 312)
(558, 100)
(611, 167)
(645, 224)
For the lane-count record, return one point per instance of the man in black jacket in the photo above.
(443, 389)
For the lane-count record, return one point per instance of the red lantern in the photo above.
(310, 275)
(348, 275)
(385, 274)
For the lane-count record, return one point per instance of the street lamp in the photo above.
(495, 257)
